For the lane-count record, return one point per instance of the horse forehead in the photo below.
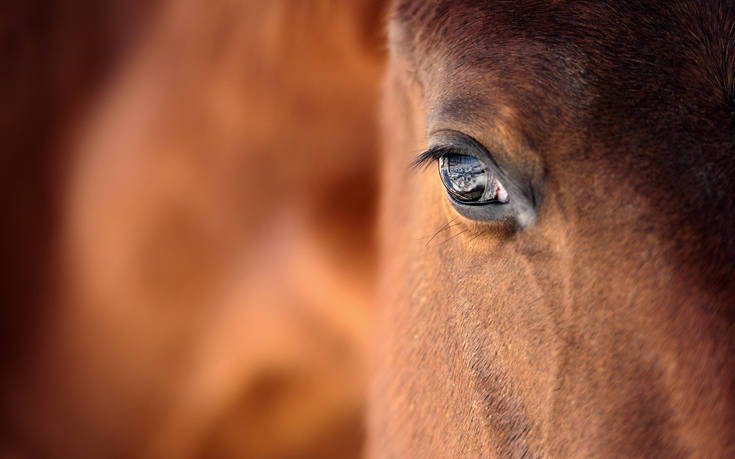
(661, 64)
(477, 32)
(471, 27)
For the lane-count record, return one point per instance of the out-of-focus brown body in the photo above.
(189, 192)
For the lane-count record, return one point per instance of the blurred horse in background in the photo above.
(189, 190)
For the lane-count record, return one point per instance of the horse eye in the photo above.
(468, 180)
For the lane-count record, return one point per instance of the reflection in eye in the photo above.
(468, 180)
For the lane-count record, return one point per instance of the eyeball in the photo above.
(468, 180)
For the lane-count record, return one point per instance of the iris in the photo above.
(468, 180)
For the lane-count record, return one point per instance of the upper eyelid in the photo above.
(461, 144)
(430, 155)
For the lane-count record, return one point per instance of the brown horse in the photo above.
(564, 286)
(190, 186)
(185, 273)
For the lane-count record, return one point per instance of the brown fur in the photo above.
(606, 328)
(187, 272)
(190, 187)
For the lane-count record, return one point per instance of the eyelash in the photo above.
(433, 154)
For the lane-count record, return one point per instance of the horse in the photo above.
(563, 285)
(191, 189)
(186, 274)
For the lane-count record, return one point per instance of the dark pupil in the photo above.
(463, 176)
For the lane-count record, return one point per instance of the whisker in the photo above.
(453, 237)
(479, 233)
(444, 227)
(474, 237)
